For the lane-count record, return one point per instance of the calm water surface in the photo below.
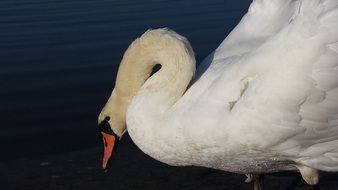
(59, 60)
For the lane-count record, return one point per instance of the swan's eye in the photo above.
(107, 118)
(104, 126)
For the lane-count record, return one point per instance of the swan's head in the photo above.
(160, 46)
(112, 125)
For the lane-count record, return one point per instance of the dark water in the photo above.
(58, 61)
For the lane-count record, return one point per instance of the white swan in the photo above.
(265, 100)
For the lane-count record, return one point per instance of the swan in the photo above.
(265, 100)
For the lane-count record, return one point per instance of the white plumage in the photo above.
(265, 100)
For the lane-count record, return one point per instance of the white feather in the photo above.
(265, 100)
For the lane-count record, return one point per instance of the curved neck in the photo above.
(152, 96)
(165, 87)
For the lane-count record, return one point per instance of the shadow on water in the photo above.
(131, 169)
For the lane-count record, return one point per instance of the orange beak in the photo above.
(110, 142)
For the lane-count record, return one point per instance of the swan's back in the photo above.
(272, 85)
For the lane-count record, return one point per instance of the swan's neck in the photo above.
(156, 94)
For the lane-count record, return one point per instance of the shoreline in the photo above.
(132, 169)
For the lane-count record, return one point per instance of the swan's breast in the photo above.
(246, 162)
